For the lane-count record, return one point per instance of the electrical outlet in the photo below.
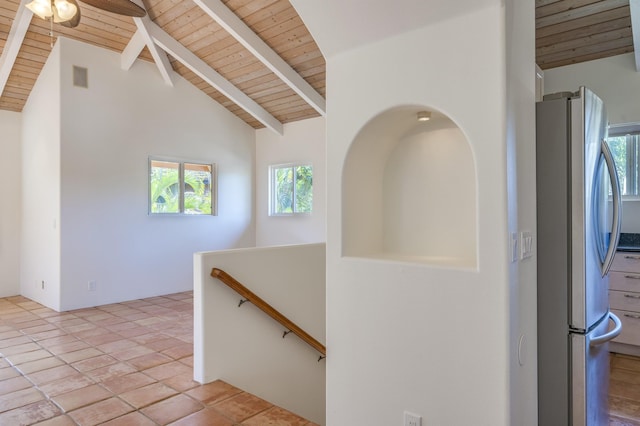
(91, 286)
(411, 419)
(42, 285)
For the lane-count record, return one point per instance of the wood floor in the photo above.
(624, 390)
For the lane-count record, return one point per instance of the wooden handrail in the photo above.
(268, 309)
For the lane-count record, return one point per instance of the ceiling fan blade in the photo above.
(73, 22)
(120, 7)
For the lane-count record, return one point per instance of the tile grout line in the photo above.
(64, 362)
(158, 312)
(93, 381)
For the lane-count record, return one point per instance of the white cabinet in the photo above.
(624, 300)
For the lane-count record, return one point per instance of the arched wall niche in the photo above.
(410, 192)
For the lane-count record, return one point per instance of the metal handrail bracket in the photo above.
(249, 296)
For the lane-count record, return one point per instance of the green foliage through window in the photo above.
(626, 152)
(177, 187)
(291, 189)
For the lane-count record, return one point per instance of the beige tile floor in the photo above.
(131, 364)
(127, 363)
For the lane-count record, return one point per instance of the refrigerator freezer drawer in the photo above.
(625, 281)
(626, 262)
(624, 300)
(630, 327)
(589, 378)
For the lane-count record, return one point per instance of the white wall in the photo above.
(394, 330)
(107, 132)
(617, 82)
(243, 346)
(303, 142)
(409, 191)
(332, 23)
(418, 176)
(40, 230)
(521, 187)
(631, 216)
(613, 79)
(10, 213)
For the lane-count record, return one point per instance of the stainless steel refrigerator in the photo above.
(578, 221)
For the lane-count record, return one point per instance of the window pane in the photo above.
(304, 192)
(164, 187)
(197, 188)
(618, 146)
(283, 184)
(632, 163)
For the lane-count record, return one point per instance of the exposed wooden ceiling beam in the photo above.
(159, 56)
(132, 50)
(245, 36)
(12, 46)
(212, 77)
(634, 6)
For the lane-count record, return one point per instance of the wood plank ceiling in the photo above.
(573, 31)
(567, 31)
(274, 21)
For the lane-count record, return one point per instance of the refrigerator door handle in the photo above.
(610, 335)
(617, 209)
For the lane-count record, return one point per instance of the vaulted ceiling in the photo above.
(287, 85)
(256, 57)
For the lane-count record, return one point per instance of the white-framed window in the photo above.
(624, 142)
(181, 187)
(290, 189)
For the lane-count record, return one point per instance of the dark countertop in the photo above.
(629, 242)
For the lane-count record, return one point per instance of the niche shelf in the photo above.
(409, 191)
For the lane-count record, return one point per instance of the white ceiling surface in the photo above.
(331, 22)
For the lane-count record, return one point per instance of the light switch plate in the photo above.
(411, 419)
(526, 244)
(513, 246)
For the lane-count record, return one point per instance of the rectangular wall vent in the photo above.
(80, 78)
